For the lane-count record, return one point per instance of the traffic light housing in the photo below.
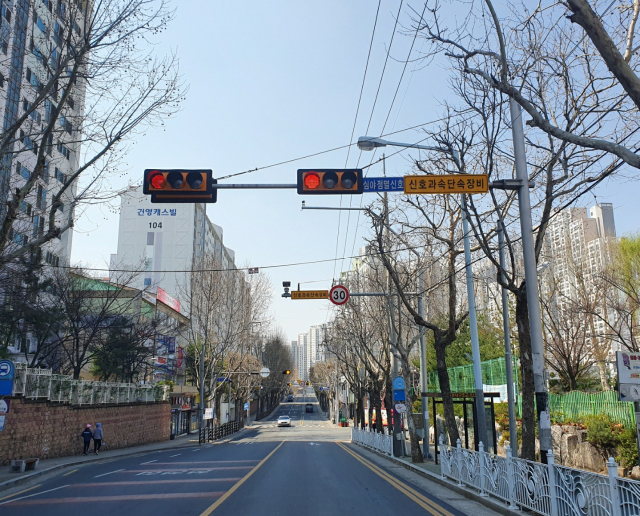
(179, 186)
(328, 181)
(286, 372)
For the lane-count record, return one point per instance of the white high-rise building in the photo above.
(30, 40)
(317, 349)
(303, 356)
(166, 237)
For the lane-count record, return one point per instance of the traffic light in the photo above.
(289, 384)
(180, 186)
(328, 181)
(286, 372)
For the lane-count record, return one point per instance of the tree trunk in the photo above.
(526, 368)
(445, 390)
(416, 451)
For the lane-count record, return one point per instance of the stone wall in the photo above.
(570, 448)
(48, 430)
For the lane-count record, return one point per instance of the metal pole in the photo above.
(424, 385)
(241, 186)
(201, 425)
(511, 391)
(473, 324)
(531, 279)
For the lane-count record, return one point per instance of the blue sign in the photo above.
(168, 342)
(398, 383)
(223, 379)
(7, 370)
(383, 184)
(7, 374)
(246, 406)
(398, 395)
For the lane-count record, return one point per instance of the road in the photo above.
(310, 468)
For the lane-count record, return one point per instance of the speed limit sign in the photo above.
(339, 295)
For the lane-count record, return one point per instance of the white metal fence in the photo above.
(548, 489)
(43, 384)
(377, 441)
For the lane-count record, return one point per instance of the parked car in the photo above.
(308, 407)
(284, 421)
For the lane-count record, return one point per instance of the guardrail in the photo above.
(548, 489)
(44, 385)
(375, 440)
(212, 432)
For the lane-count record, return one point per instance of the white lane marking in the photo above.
(34, 494)
(175, 455)
(197, 449)
(149, 462)
(105, 474)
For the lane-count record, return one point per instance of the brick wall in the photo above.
(47, 430)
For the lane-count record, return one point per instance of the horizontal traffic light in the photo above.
(286, 372)
(330, 181)
(179, 186)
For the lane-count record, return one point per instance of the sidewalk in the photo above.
(9, 479)
(432, 472)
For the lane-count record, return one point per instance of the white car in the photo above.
(284, 421)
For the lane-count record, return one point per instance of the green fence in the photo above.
(461, 378)
(576, 405)
(571, 406)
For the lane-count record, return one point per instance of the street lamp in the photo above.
(369, 143)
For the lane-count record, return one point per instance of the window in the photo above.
(70, 102)
(22, 170)
(52, 259)
(6, 13)
(41, 199)
(25, 207)
(150, 238)
(32, 78)
(1, 81)
(48, 111)
(147, 282)
(41, 25)
(38, 54)
(60, 176)
(4, 45)
(45, 172)
(61, 208)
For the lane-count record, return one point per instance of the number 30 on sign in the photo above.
(339, 295)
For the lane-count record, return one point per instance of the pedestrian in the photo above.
(97, 438)
(87, 435)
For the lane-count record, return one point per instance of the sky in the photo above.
(273, 81)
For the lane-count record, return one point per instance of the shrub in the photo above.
(608, 436)
(627, 449)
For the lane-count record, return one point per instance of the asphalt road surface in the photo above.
(309, 469)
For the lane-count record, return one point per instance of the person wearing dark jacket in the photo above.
(87, 435)
(97, 438)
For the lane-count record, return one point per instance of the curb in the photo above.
(489, 503)
(25, 478)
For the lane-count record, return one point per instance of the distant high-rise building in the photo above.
(303, 356)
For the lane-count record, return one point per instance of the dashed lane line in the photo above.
(33, 494)
(110, 472)
(20, 492)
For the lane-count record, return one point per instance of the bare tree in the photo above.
(91, 83)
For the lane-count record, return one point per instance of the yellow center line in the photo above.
(417, 497)
(20, 492)
(220, 500)
(72, 471)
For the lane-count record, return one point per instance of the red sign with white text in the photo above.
(165, 298)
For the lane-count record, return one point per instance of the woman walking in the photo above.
(87, 435)
(97, 438)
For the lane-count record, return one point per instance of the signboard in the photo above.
(401, 408)
(2, 418)
(180, 357)
(398, 383)
(265, 372)
(310, 294)
(149, 298)
(208, 413)
(223, 379)
(253, 270)
(166, 299)
(339, 295)
(628, 365)
(399, 396)
(383, 184)
(246, 406)
(446, 184)
(7, 374)
(4, 407)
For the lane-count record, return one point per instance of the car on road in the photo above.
(290, 398)
(308, 407)
(284, 421)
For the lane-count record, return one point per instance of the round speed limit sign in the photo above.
(339, 295)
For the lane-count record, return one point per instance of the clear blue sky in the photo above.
(272, 81)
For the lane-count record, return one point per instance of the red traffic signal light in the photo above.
(180, 186)
(330, 181)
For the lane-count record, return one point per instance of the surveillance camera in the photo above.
(286, 284)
